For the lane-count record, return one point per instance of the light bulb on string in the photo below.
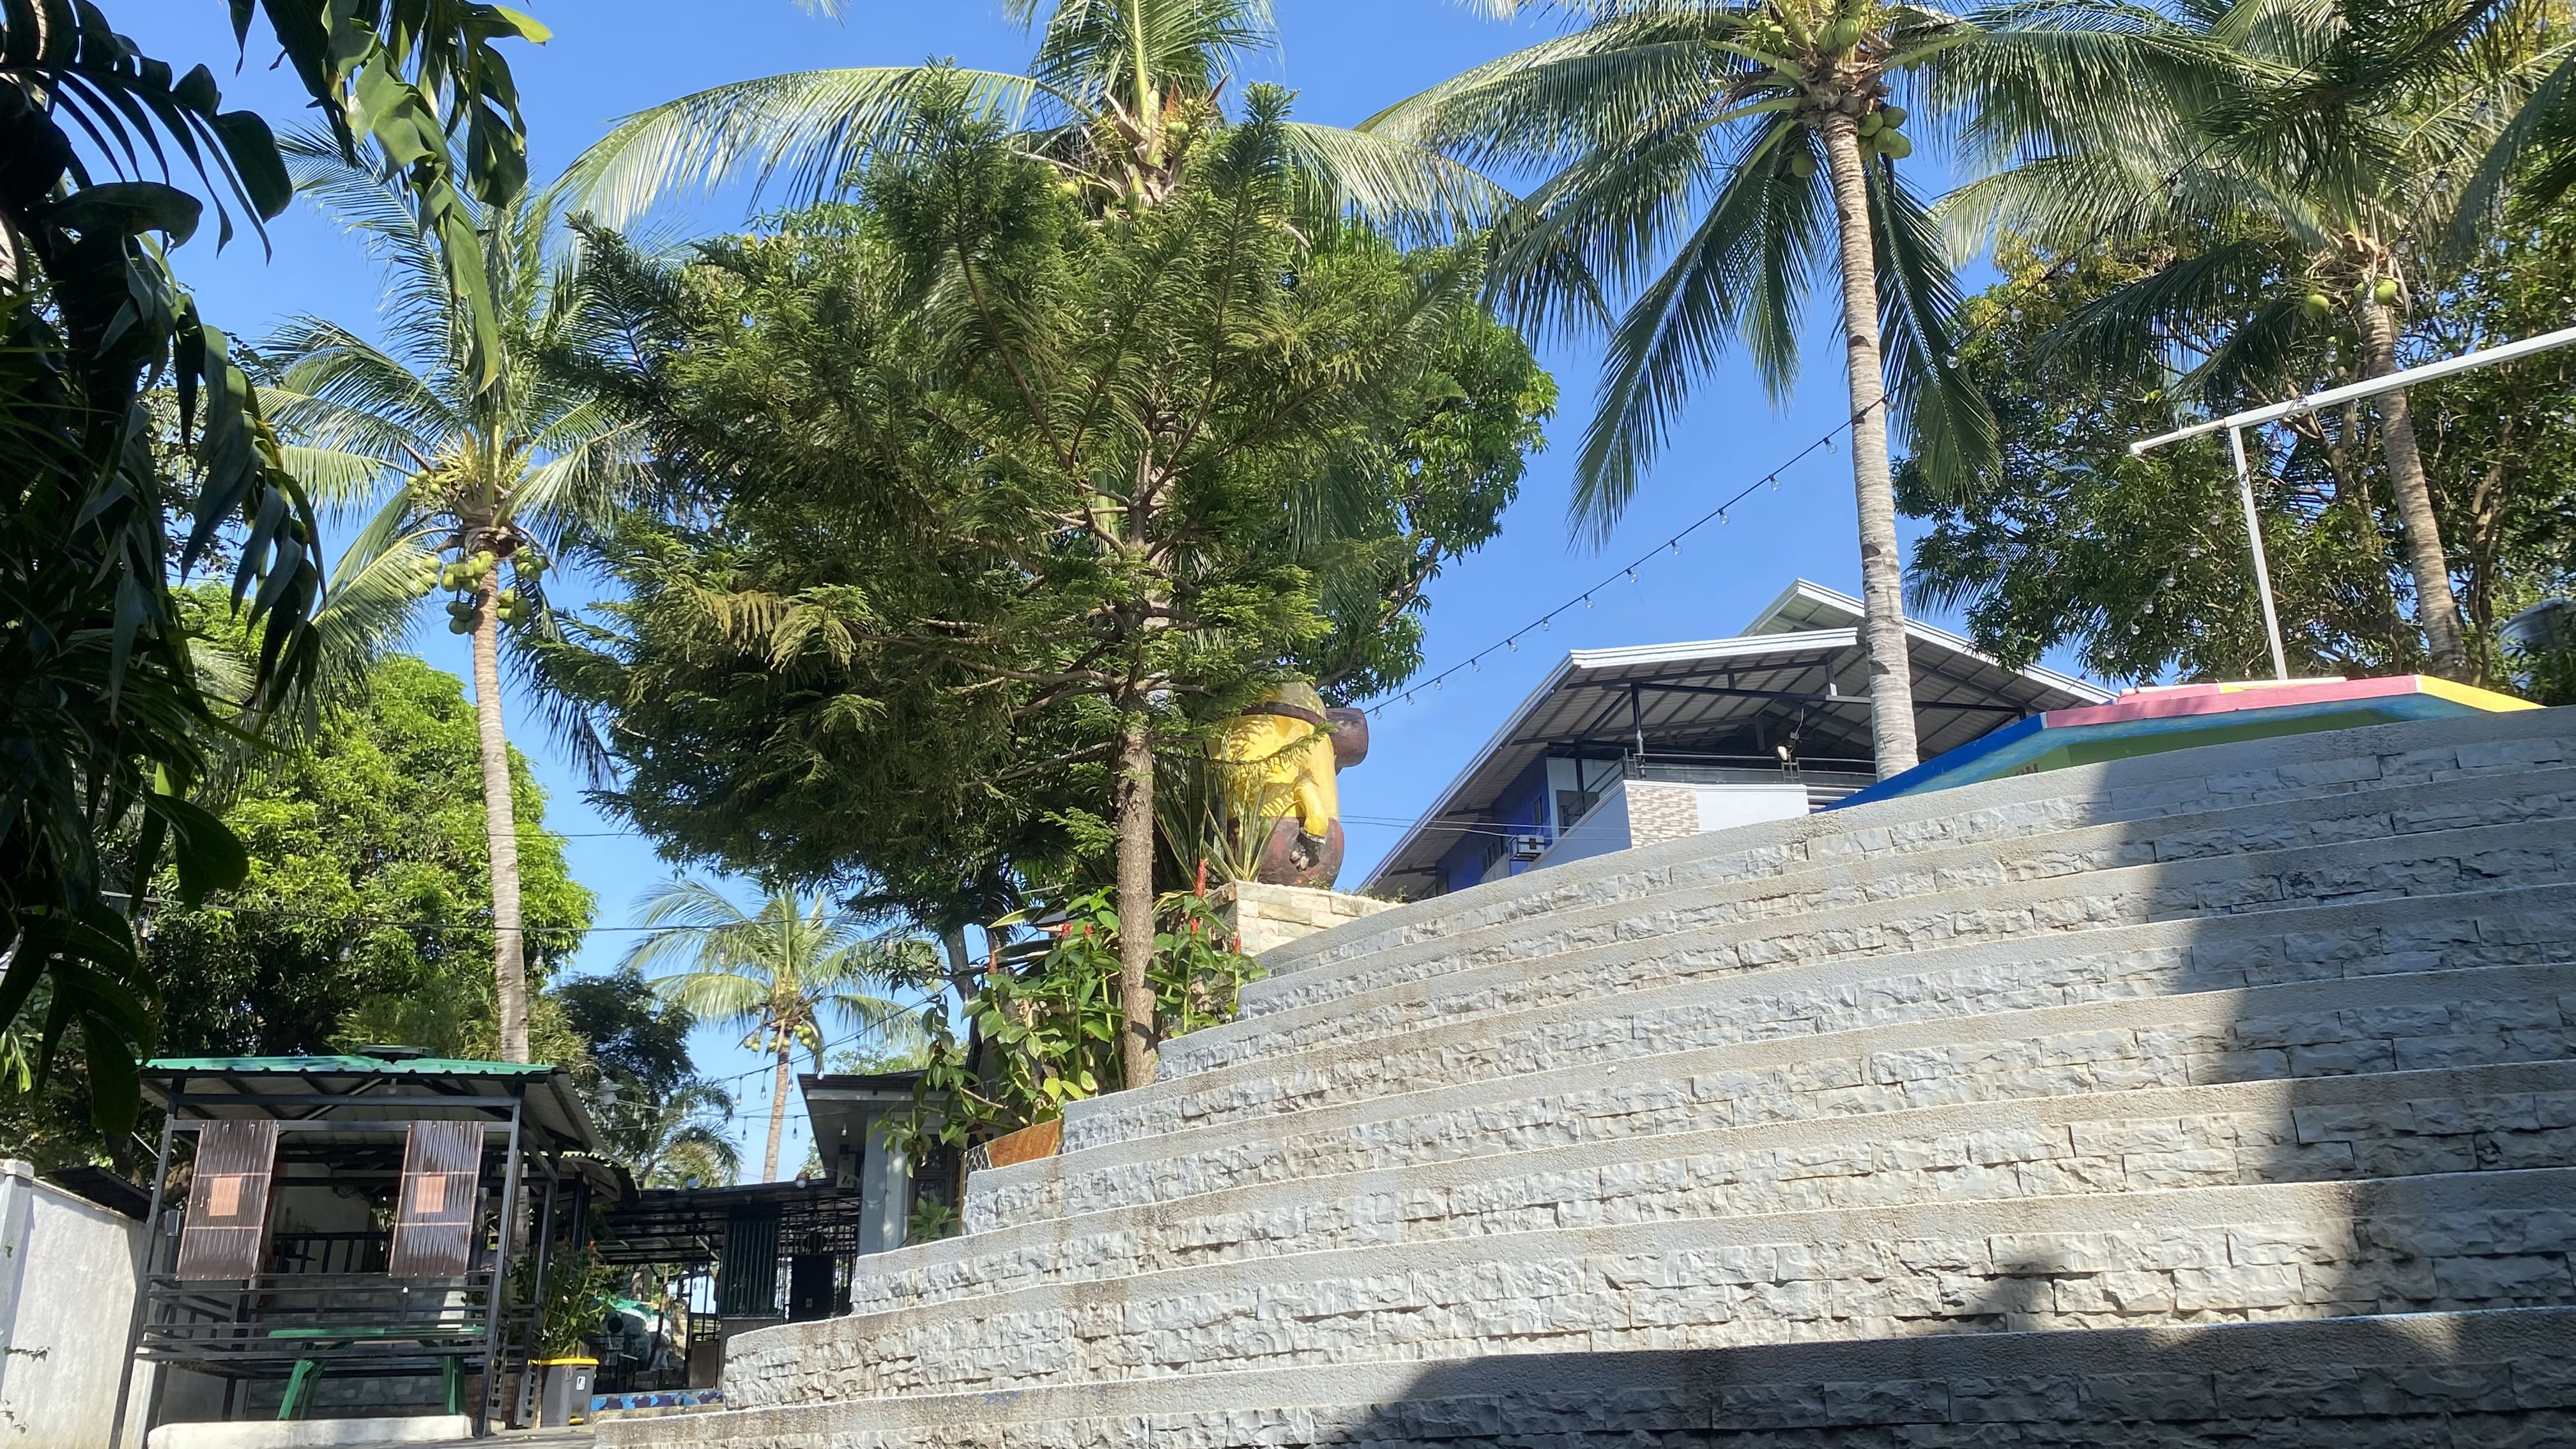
(1632, 575)
(1677, 548)
(1587, 601)
(1542, 626)
(1721, 518)
(1512, 644)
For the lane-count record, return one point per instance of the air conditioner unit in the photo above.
(1527, 847)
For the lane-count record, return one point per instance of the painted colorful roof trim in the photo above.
(2180, 716)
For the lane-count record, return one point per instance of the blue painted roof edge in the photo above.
(1907, 781)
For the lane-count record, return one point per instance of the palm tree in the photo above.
(1115, 97)
(2319, 185)
(463, 477)
(1715, 158)
(778, 974)
(676, 1141)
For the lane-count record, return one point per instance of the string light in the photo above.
(1885, 399)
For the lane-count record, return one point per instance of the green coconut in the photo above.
(1801, 165)
(1895, 114)
(2316, 305)
(1895, 144)
(2386, 292)
(1872, 124)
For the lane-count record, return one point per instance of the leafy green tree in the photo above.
(784, 974)
(1709, 162)
(465, 474)
(653, 1111)
(1120, 94)
(978, 495)
(2138, 564)
(2322, 186)
(365, 911)
(102, 722)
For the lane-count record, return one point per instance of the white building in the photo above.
(1624, 747)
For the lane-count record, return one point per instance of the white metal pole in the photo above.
(2262, 564)
(2367, 387)
(2236, 423)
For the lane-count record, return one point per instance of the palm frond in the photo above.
(1753, 247)
(1943, 419)
(1405, 190)
(808, 130)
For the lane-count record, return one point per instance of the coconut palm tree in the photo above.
(463, 480)
(1715, 160)
(677, 1140)
(781, 974)
(1115, 97)
(2317, 161)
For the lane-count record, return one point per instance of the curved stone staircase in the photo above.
(2221, 1094)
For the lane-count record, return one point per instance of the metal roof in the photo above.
(1798, 670)
(375, 1089)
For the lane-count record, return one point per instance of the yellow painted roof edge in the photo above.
(2471, 695)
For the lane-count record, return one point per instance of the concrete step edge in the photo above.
(1362, 1120)
(1770, 870)
(1649, 921)
(2247, 1373)
(2474, 1108)
(2516, 1217)
(2255, 771)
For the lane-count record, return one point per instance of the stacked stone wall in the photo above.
(2214, 1098)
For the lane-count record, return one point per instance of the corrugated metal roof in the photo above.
(229, 1087)
(1798, 666)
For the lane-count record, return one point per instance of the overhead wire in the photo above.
(1913, 372)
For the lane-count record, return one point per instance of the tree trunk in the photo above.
(500, 824)
(777, 1113)
(1882, 581)
(2435, 607)
(1135, 827)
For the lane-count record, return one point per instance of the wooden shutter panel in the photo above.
(228, 1201)
(441, 1200)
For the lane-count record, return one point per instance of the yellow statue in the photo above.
(1276, 763)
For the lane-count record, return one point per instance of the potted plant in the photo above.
(570, 1305)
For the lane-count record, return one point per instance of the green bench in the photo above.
(308, 1371)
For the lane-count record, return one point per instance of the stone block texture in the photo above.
(2220, 1097)
(1265, 917)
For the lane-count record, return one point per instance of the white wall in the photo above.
(1604, 830)
(1611, 827)
(66, 1303)
(1724, 806)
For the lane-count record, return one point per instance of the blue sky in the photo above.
(1346, 59)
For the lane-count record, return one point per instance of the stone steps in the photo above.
(2482, 1380)
(1565, 965)
(2205, 1098)
(2336, 1128)
(2444, 1243)
(2218, 778)
(1699, 1048)
(2050, 915)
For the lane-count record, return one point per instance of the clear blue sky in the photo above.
(1346, 59)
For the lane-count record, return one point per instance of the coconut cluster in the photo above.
(470, 576)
